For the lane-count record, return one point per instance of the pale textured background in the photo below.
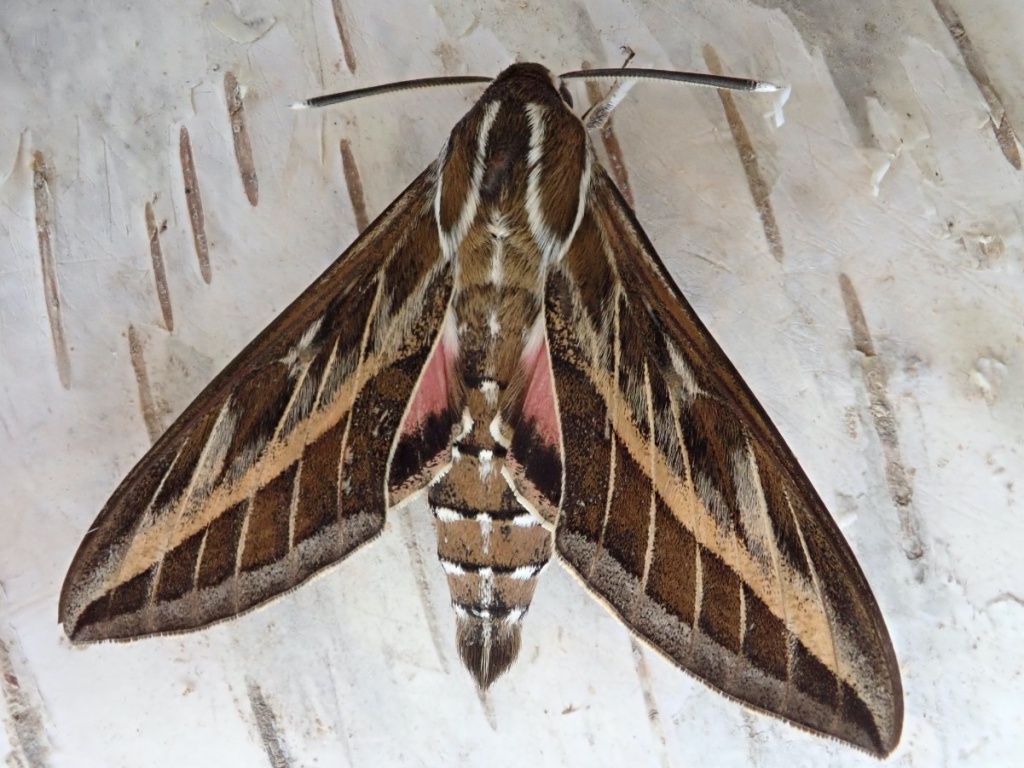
(887, 171)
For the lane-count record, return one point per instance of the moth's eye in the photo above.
(564, 93)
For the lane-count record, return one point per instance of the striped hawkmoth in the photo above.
(505, 339)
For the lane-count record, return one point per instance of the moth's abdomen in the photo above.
(492, 551)
(491, 547)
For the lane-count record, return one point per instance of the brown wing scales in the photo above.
(280, 467)
(684, 510)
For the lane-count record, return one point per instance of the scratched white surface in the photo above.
(886, 170)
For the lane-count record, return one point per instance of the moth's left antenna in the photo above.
(377, 90)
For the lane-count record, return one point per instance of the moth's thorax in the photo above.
(520, 158)
(511, 190)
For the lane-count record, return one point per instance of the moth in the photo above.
(504, 339)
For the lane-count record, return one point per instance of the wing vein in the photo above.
(614, 446)
(184, 499)
(832, 663)
(243, 534)
(770, 534)
(286, 412)
(293, 509)
(652, 469)
(361, 378)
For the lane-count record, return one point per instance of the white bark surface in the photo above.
(886, 178)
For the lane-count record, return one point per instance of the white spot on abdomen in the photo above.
(524, 572)
(485, 533)
(489, 387)
(486, 458)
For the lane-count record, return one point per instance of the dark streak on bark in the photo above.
(346, 44)
(195, 204)
(647, 688)
(1005, 135)
(44, 216)
(24, 721)
(240, 134)
(266, 724)
(883, 414)
(163, 292)
(748, 157)
(355, 185)
(146, 404)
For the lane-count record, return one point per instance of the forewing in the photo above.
(684, 510)
(279, 468)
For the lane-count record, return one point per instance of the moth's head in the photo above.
(529, 80)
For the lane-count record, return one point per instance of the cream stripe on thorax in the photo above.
(451, 239)
(552, 247)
